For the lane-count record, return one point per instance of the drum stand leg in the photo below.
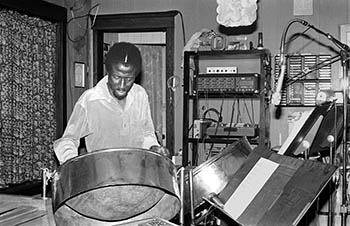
(191, 196)
(46, 177)
(182, 193)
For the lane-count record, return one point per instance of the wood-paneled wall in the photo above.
(77, 45)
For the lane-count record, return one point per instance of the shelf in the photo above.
(221, 140)
(226, 95)
(233, 74)
(238, 54)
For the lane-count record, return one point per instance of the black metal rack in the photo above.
(245, 63)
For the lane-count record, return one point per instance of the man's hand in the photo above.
(160, 150)
(65, 150)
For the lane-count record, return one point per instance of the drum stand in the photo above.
(47, 175)
(190, 174)
(182, 194)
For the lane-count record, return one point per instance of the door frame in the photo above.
(138, 22)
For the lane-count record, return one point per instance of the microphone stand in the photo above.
(276, 96)
(344, 57)
(344, 54)
(344, 205)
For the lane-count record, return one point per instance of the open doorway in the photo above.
(152, 46)
(124, 24)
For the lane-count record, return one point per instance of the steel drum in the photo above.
(115, 186)
(214, 174)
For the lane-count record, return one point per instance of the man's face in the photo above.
(120, 80)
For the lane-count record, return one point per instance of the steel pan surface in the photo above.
(115, 185)
(214, 174)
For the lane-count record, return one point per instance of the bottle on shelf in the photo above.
(260, 41)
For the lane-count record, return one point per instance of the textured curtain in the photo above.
(27, 98)
(152, 80)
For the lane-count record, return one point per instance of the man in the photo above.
(115, 113)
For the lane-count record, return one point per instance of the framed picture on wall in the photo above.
(79, 74)
(345, 34)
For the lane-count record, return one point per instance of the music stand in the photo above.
(308, 131)
(280, 194)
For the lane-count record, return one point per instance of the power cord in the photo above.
(218, 114)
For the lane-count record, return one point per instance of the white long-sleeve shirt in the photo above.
(99, 118)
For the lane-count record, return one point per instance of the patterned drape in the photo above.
(152, 79)
(27, 97)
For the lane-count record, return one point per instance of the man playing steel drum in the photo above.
(114, 113)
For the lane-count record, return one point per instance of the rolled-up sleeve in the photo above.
(77, 127)
(150, 138)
